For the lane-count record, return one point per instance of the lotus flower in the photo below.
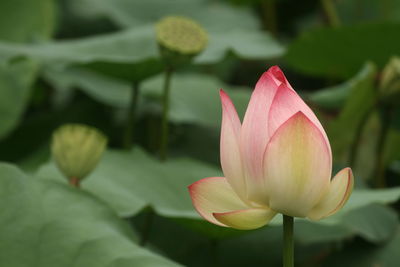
(278, 160)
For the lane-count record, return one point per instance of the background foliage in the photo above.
(76, 61)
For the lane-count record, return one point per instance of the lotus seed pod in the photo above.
(77, 149)
(180, 38)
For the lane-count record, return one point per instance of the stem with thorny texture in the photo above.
(130, 121)
(164, 123)
(288, 244)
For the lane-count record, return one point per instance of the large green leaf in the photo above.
(312, 240)
(361, 197)
(334, 97)
(361, 99)
(366, 255)
(352, 11)
(340, 52)
(120, 47)
(245, 39)
(246, 44)
(195, 97)
(331, 98)
(375, 223)
(190, 93)
(129, 181)
(16, 78)
(213, 15)
(115, 54)
(46, 224)
(24, 21)
(363, 215)
(107, 90)
(108, 52)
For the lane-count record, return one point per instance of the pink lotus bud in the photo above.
(278, 160)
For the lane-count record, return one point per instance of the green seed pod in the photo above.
(180, 39)
(77, 149)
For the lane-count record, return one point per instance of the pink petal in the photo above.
(254, 135)
(246, 219)
(297, 166)
(285, 104)
(214, 195)
(278, 76)
(339, 192)
(229, 147)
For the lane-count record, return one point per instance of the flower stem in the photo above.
(288, 246)
(214, 252)
(330, 13)
(379, 169)
(148, 222)
(165, 113)
(74, 182)
(357, 137)
(130, 121)
(270, 16)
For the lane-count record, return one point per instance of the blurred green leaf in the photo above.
(48, 224)
(129, 181)
(116, 54)
(367, 255)
(352, 11)
(364, 163)
(190, 93)
(363, 215)
(307, 232)
(195, 97)
(212, 15)
(392, 144)
(120, 47)
(16, 79)
(331, 98)
(244, 43)
(375, 223)
(208, 229)
(362, 97)
(389, 82)
(107, 90)
(371, 220)
(136, 72)
(362, 197)
(341, 52)
(26, 21)
(246, 39)
(334, 97)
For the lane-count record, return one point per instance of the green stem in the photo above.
(74, 182)
(148, 222)
(165, 113)
(379, 170)
(214, 252)
(330, 13)
(130, 121)
(288, 244)
(357, 137)
(269, 15)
